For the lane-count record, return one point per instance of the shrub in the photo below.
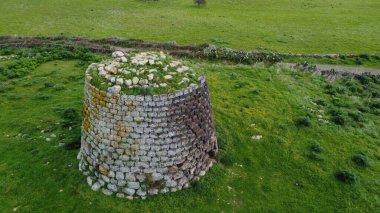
(365, 56)
(376, 112)
(338, 119)
(200, 2)
(58, 87)
(364, 79)
(357, 116)
(303, 121)
(316, 147)
(340, 102)
(70, 114)
(234, 76)
(375, 103)
(345, 176)
(376, 94)
(240, 84)
(225, 158)
(305, 66)
(330, 89)
(254, 91)
(315, 156)
(353, 85)
(358, 61)
(48, 84)
(343, 57)
(315, 150)
(43, 97)
(320, 102)
(362, 108)
(199, 187)
(2, 87)
(247, 162)
(360, 160)
(341, 90)
(73, 141)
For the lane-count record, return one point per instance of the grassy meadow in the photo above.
(311, 129)
(298, 26)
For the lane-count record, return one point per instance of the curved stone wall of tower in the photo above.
(134, 146)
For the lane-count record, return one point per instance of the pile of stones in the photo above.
(145, 69)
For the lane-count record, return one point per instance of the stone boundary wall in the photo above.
(105, 45)
(134, 146)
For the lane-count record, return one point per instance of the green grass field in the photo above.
(299, 26)
(282, 172)
(311, 128)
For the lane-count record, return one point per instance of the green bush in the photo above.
(341, 90)
(200, 2)
(345, 176)
(305, 66)
(224, 158)
(361, 160)
(375, 103)
(338, 120)
(315, 156)
(363, 109)
(234, 76)
(43, 97)
(73, 141)
(357, 116)
(364, 79)
(315, 150)
(358, 61)
(70, 114)
(58, 87)
(2, 87)
(376, 94)
(240, 84)
(353, 85)
(320, 102)
(330, 89)
(303, 121)
(316, 147)
(48, 84)
(338, 117)
(376, 112)
(365, 56)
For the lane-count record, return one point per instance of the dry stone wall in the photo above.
(134, 146)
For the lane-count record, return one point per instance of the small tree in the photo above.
(200, 2)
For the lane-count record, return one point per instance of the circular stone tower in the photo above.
(139, 145)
